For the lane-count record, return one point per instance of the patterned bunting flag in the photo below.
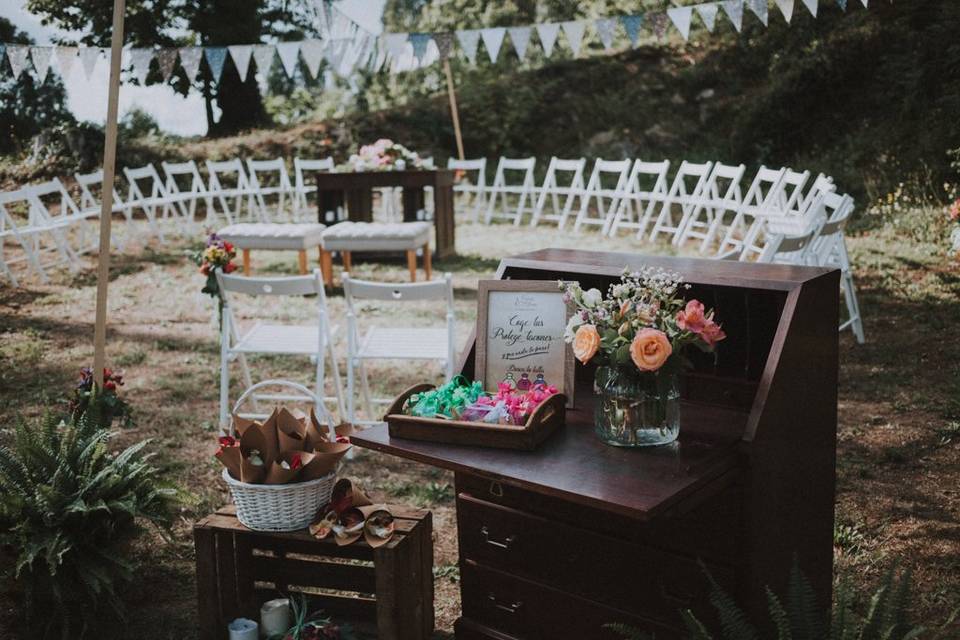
(17, 55)
(658, 22)
(420, 42)
(811, 6)
(66, 56)
(492, 40)
(469, 39)
(759, 7)
(547, 32)
(786, 8)
(89, 57)
(141, 59)
(444, 42)
(681, 18)
(520, 37)
(240, 53)
(167, 59)
(574, 30)
(41, 57)
(606, 31)
(734, 10)
(312, 52)
(216, 58)
(289, 53)
(263, 58)
(632, 24)
(190, 61)
(708, 13)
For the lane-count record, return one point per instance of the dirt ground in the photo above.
(899, 436)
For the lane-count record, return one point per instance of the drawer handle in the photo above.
(511, 608)
(496, 489)
(505, 545)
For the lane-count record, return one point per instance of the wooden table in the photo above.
(557, 542)
(357, 189)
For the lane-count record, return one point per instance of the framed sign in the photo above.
(520, 326)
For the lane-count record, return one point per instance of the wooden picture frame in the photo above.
(545, 354)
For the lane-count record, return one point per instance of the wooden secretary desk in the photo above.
(557, 542)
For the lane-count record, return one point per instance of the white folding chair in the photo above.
(62, 211)
(475, 193)
(606, 199)
(91, 192)
(269, 180)
(392, 342)
(154, 201)
(830, 250)
(237, 190)
(721, 194)
(302, 190)
(314, 341)
(501, 189)
(682, 195)
(183, 182)
(760, 197)
(22, 219)
(782, 213)
(562, 196)
(647, 188)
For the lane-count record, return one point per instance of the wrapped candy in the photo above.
(447, 400)
(508, 406)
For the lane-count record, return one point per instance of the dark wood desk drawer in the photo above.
(628, 576)
(527, 610)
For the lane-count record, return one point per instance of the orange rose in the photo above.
(585, 343)
(650, 349)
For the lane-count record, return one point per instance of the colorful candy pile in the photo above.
(463, 400)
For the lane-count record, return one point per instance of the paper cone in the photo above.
(252, 440)
(230, 458)
(252, 473)
(240, 425)
(324, 460)
(350, 527)
(378, 525)
(316, 431)
(323, 527)
(271, 444)
(291, 432)
(276, 474)
(347, 495)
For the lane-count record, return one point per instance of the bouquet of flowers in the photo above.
(110, 404)
(216, 254)
(384, 155)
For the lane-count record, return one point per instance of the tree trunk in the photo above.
(241, 106)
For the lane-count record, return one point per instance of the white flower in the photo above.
(592, 297)
(572, 324)
(401, 164)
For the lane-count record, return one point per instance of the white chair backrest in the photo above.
(174, 170)
(690, 181)
(786, 249)
(566, 165)
(471, 164)
(791, 189)
(837, 210)
(821, 185)
(59, 205)
(156, 188)
(724, 185)
(354, 290)
(274, 286)
(763, 190)
(17, 203)
(618, 169)
(516, 164)
(217, 170)
(301, 164)
(268, 173)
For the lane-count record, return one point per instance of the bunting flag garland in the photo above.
(289, 52)
(420, 42)
(547, 33)
(444, 42)
(190, 61)
(216, 58)
(312, 52)
(759, 8)
(520, 37)
(632, 24)
(240, 54)
(734, 11)
(658, 22)
(786, 8)
(574, 30)
(708, 13)
(66, 56)
(89, 56)
(842, 4)
(17, 55)
(263, 58)
(469, 39)
(140, 59)
(681, 18)
(811, 7)
(492, 40)
(41, 57)
(167, 59)
(606, 30)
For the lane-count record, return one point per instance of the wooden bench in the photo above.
(392, 586)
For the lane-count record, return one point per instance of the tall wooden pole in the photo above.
(106, 209)
(454, 112)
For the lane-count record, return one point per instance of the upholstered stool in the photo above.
(348, 237)
(275, 237)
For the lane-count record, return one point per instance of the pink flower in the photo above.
(692, 318)
(955, 210)
(712, 333)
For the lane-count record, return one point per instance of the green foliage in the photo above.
(68, 508)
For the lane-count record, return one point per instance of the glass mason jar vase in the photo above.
(632, 410)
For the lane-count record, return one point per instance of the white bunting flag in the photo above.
(141, 59)
(759, 7)
(41, 57)
(469, 39)
(811, 6)
(708, 13)
(89, 56)
(492, 40)
(786, 8)
(865, 3)
(190, 61)
(681, 17)
(574, 31)
(548, 36)
(263, 58)
(312, 52)
(394, 43)
(734, 10)
(520, 37)
(17, 55)
(288, 52)
(66, 56)
(167, 59)
(606, 31)
(241, 58)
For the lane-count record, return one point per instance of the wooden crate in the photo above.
(391, 587)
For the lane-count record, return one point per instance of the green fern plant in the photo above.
(67, 507)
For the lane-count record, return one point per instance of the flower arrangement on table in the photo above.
(466, 401)
(383, 155)
(637, 334)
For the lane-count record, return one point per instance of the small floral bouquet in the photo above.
(217, 253)
(110, 404)
(384, 155)
(312, 626)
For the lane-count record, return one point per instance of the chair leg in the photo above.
(326, 266)
(347, 260)
(853, 306)
(412, 264)
(427, 261)
(246, 262)
(302, 261)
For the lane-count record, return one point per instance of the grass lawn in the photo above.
(898, 497)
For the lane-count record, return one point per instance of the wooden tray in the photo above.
(544, 420)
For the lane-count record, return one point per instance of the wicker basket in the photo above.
(279, 507)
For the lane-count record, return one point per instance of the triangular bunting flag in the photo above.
(141, 59)
(547, 33)
(492, 40)
(263, 58)
(469, 39)
(843, 4)
(658, 22)
(17, 54)
(606, 31)
(89, 56)
(811, 6)
(312, 52)
(190, 61)
(444, 42)
(216, 58)
(786, 8)
(420, 42)
(865, 3)
(289, 53)
(574, 30)
(520, 37)
(708, 13)
(66, 56)
(734, 10)
(681, 17)
(167, 59)
(41, 57)
(394, 43)
(241, 58)
(632, 24)
(759, 7)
